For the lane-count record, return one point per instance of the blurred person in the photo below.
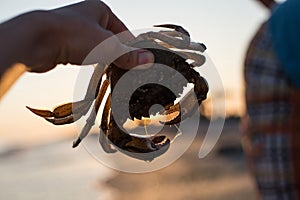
(272, 127)
(39, 40)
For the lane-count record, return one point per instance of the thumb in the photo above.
(112, 50)
(134, 58)
(128, 57)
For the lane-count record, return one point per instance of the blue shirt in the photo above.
(285, 30)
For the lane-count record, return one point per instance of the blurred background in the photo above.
(36, 159)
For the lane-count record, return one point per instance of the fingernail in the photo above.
(145, 57)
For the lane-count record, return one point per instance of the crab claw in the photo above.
(170, 37)
(185, 108)
(137, 147)
(58, 112)
(61, 115)
(145, 145)
(177, 28)
(64, 114)
(41, 113)
(146, 148)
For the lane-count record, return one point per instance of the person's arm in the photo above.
(43, 39)
(19, 39)
(37, 41)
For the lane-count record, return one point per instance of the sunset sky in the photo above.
(224, 27)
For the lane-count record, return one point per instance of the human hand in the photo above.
(268, 3)
(43, 39)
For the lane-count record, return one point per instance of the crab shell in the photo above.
(143, 98)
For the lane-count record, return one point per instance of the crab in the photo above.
(172, 48)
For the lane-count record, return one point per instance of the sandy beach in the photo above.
(56, 171)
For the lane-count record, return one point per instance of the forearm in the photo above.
(8, 48)
(43, 39)
(10, 66)
(12, 51)
(23, 40)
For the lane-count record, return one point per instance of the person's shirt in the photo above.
(285, 31)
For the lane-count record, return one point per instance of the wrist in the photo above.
(41, 45)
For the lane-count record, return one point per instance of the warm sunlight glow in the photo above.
(10, 76)
(225, 35)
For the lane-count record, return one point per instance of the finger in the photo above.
(98, 45)
(107, 24)
(113, 50)
(135, 58)
(108, 20)
(101, 14)
(116, 26)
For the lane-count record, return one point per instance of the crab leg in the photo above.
(184, 33)
(95, 82)
(200, 86)
(186, 107)
(198, 59)
(175, 42)
(106, 114)
(171, 33)
(183, 43)
(103, 138)
(170, 38)
(197, 46)
(91, 119)
(192, 46)
(41, 113)
(177, 28)
(63, 114)
(70, 112)
(189, 103)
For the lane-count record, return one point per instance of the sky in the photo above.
(225, 27)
